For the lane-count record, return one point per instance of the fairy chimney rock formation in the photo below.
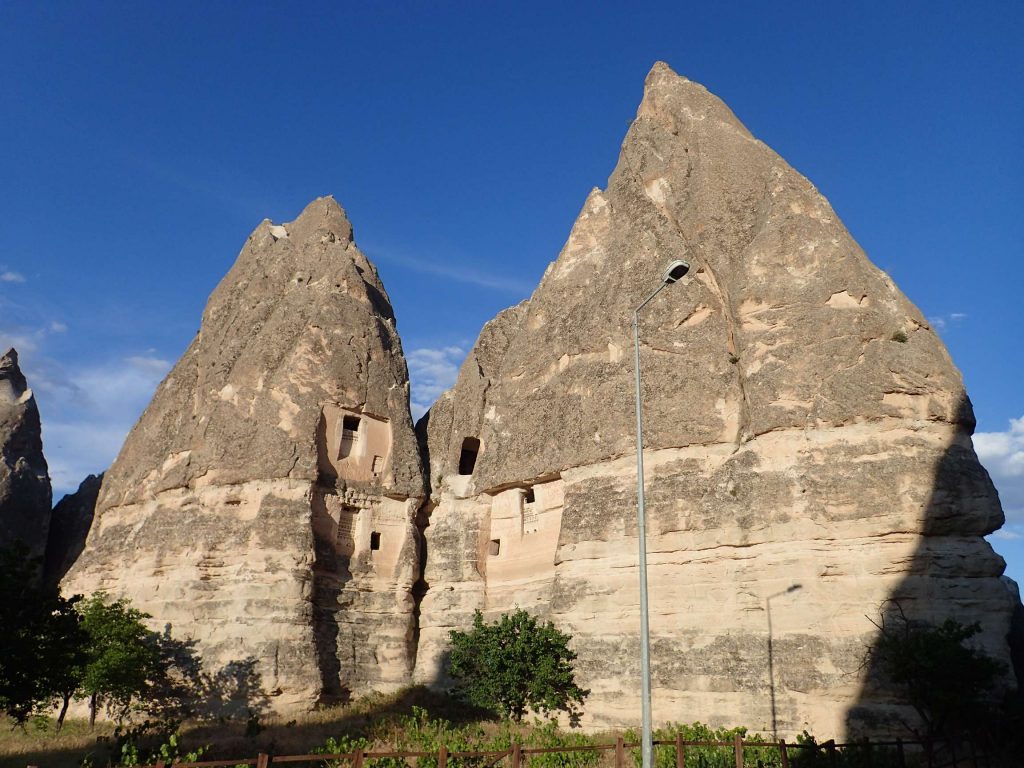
(804, 426)
(25, 494)
(264, 503)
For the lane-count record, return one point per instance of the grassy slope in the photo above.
(300, 735)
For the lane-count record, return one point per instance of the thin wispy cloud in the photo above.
(942, 322)
(87, 410)
(431, 372)
(1007, 533)
(90, 422)
(12, 277)
(456, 272)
(25, 340)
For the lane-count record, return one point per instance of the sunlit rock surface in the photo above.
(804, 426)
(264, 504)
(25, 494)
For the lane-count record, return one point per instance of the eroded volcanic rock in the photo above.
(804, 426)
(25, 494)
(264, 502)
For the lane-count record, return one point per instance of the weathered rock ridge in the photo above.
(25, 494)
(264, 503)
(804, 426)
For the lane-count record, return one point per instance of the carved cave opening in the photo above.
(467, 458)
(349, 436)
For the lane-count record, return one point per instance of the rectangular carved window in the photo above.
(467, 459)
(349, 435)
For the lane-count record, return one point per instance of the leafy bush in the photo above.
(419, 732)
(948, 683)
(123, 655)
(342, 745)
(515, 665)
(129, 750)
(42, 639)
(705, 757)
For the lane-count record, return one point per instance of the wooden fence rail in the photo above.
(516, 753)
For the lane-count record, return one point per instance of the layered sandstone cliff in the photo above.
(264, 504)
(25, 494)
(804, 426)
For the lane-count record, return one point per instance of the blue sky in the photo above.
(142, 142)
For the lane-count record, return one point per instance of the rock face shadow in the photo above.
(69, 528)
(233, 691)
(952, 573)
(330, 574)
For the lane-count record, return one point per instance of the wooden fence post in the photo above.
(830, 747)
(783, 753)
(900, 757)
(737, 745)
(262, 760)
(159, 764)
(517, 755)
(620, 753)
(357, 759)
(442, 757)
(680, 751)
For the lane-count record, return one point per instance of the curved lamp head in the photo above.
(675, 271)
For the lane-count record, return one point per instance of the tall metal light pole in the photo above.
(675, 271)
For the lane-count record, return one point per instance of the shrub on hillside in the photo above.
(514, 665)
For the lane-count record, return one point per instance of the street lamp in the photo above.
(674, 272)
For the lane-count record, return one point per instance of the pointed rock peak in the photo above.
(323, 216)
(661, 72)
(671, 98)
(11, 371)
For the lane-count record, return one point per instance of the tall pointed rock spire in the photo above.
(804, 426)
(25, 494)
(264, 502)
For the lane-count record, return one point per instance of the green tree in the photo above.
(514, 665)
(948, 683)
(124, 660)
(42, 640)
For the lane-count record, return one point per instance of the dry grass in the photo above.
(38, 739)
(38, 744)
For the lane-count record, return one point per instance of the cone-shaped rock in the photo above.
(25, 494)
(804, 426)
(264, 502)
